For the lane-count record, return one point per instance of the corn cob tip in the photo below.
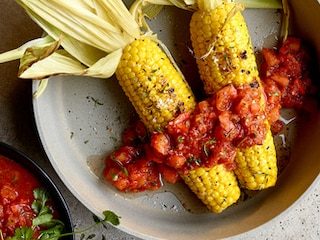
(216, 187)
(257, 165)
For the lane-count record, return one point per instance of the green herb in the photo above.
(96, 101)
(114, 139)
(180, 139)
(276, 94)
(109, 216)
(123, 169)
(159, 130)
(15, 178)
(205, 148)
(53, 227)
(114, 176)
(197, 162)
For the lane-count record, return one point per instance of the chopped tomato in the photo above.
(283, 81)
(160, 142)
(169, 174)
(225, 97)
(271, 57)
(134, 134)
(124, 155)
(285, 76)
(138, 175)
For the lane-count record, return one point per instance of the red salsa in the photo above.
(16, 196)
(285, 75)
(205, 137)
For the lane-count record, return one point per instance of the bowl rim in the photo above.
(34, 168)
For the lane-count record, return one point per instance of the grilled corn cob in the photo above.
(224, 53)
(216, 187)
(156, 89)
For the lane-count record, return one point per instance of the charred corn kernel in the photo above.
(156, 89)
(216, 187)
(225, 56)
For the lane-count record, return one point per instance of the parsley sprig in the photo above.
(53, 228)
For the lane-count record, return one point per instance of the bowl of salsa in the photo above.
(30, 202)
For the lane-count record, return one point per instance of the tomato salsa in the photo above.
(205, 137)
(285, 74)
(16, 196)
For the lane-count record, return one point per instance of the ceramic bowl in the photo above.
(77, 134)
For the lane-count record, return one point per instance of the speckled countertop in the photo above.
(17, 128)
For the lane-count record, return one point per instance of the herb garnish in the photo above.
(53, 227)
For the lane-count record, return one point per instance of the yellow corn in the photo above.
(155, 88)
(224, 53)
(216, 187)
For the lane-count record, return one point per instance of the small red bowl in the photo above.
(55, 194)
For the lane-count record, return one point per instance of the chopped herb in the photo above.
(180, 139)
(223, 154)
(276, 94)
(114, 139)
(226, 57)
(15, 178)
(113, 176)
(205, 149)
(197, 162)
(192, 159)
(123, 169)
(159, 130)
(96, 101)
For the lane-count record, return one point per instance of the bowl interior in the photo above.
(159, 215)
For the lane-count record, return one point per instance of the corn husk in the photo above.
(83, 37)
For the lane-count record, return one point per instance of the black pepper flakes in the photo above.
(243, 54)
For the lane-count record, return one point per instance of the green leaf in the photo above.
(41, 197)
(41, 194)
(111, 217)
(52, 233)
(42, 219)
(22, 233)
